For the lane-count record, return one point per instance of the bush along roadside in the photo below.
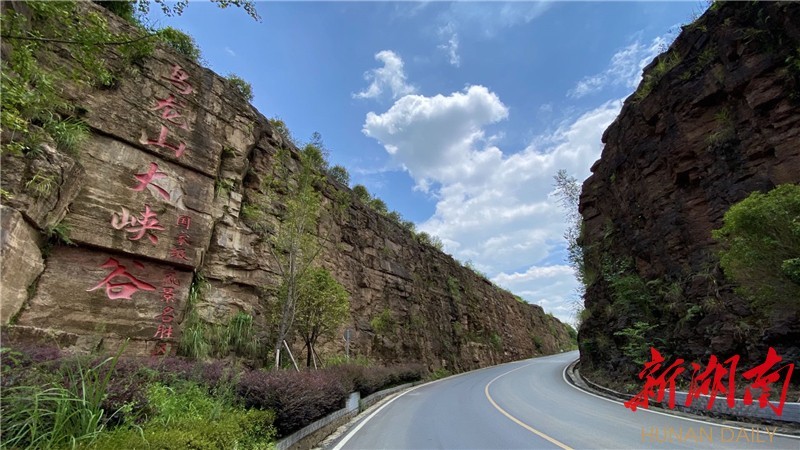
(52, 400)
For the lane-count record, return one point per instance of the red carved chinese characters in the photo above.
(655, 386)
(162, 142)
(163, 331)
(146, 179)
(169, 278)
(121, 290)
(178, 79)
(184, 222)
(763, 379)
(167, 316)
(171, 111)
(160, 349)
(709, 381)
(715, 378)
(140, 226)
(182, 239)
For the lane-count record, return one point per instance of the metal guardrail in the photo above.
(355, 405)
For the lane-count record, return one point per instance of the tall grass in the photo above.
(54, 415)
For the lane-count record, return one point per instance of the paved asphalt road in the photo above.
(528, 404)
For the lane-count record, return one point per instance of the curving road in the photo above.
(528, 404)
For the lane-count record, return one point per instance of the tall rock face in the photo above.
(716, 118)
(156, 202)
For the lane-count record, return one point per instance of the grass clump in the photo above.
(665, 64)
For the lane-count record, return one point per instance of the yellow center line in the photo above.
(514, 419)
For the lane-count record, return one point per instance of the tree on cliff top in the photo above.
(127, 8)
(322, 305)
(568, 191)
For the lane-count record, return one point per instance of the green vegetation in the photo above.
(439, 373)
(761, 244)
(651, 78)
(340, 174)
(362, 193)
(241, 86)
(42, 185)
(55, 415)
(180, 42)
(383, 323)
(283, 130)
(59, 233)
(128, 9)
(379, 206)
(433, 241)
(726, 130)
(454, 288)
(34, 109)
(638, 340)
(322, 306)
(185, 415)
(568, 191)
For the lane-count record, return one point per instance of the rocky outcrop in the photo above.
(716, 117)
(154, 203)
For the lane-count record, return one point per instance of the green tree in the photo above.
(322, 305)
(283, 130)
(125, 8)
(296, 244)
(340, 174)
(362, 193)
(180, 42)
(315, 153)
(761, 246)
(379, 206)
(568, 192)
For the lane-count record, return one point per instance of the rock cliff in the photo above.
(153, 203)
(717, 116)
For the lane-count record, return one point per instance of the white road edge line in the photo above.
(352, 432)
(364, 422)
(564, 376)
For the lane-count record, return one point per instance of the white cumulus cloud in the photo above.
(494, 207)
(389, 78)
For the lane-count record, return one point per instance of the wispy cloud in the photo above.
(624, 69)
(487, 18)
(391, 77)
(450, 46)
(230, 51)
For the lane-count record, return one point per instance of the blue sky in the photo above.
(457, 115)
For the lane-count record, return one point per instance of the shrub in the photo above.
(340, 174)
(379, 206)
(638, 342)
(283, 130)
(362, 193)
(298, 398)
(383, 323)
(761, 241)
(180, 42)
(184, 415)
(241, 86)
